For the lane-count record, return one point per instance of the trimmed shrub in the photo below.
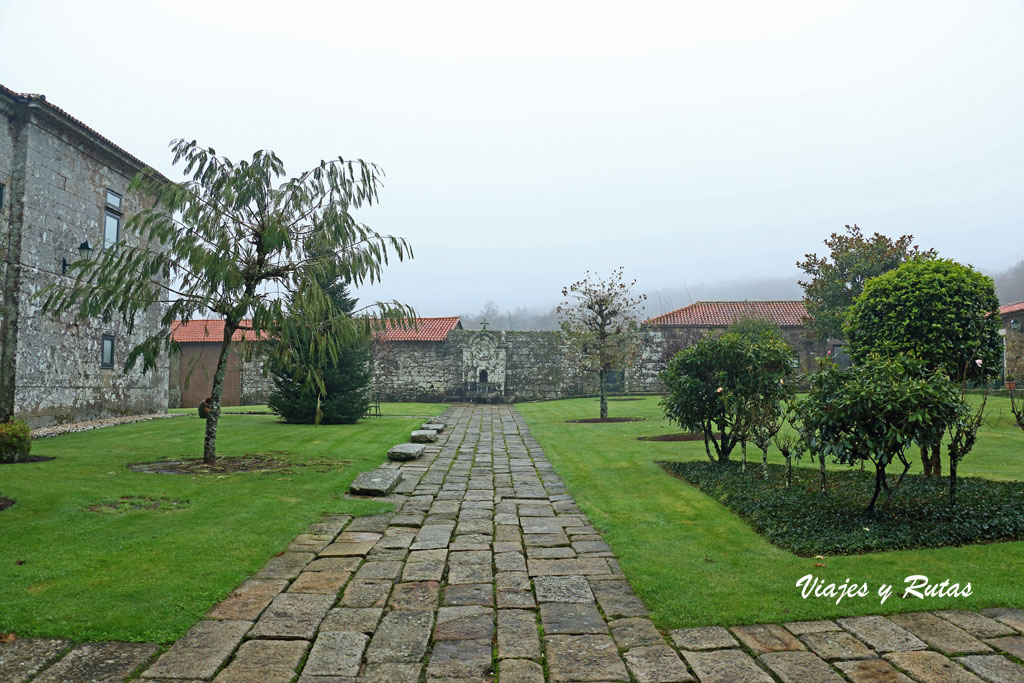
(15, 441)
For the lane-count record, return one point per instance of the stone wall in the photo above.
(56, 178)
(529, 366)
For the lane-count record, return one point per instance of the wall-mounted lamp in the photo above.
(84, 252)
(1015, 324)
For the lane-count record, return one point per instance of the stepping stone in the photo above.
(265, 660)
(798, 628)
(1010, 617)
(404, 452)
(378, 482)
(584, 658)
(799, 667)
(95, 662)
(931, 666)
(991, 667)
(1013, 645)
(423, 436)
(881, 635)
(26, 656)
(725, 666)
(871, 671)
(433, 426)
(200, 652)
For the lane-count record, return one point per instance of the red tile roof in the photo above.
(420, 329)
(725, 313)
(43, 102)
(207, 331)
(1011, 308)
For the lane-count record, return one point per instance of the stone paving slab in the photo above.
(378, 482)
(928, 666)
(25, 657)
(404, 452)
(201, 651)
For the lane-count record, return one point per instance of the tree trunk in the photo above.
(210, 441)
(937, 460)
(764, 462)
(899, 482)
(952, 482)
(743, 447)
(926, 462)
(603, 374)
(707, 444)
(789, 471)
(879, 478)
(821, 462)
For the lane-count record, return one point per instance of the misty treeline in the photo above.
(1009, 287)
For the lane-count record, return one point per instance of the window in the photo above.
(483, 377)
(107, 358)
(112, 219)
(1, 196)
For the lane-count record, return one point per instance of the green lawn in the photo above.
(694, 562)
(387, 409)
(149, 575)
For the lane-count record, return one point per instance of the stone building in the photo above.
(63, 191)
(190, 376)
(1012, 319)
(673, 331)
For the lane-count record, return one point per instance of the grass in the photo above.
(696, 563)
(147, 572)
(387, 409)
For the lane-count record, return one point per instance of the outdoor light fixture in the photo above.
(84, 250)
(1015, 324)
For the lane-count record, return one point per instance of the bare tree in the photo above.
(600, 319)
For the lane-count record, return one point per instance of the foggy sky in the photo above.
(524, 143)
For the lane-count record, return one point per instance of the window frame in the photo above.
(103, 352)
(114, 211)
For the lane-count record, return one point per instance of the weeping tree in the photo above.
(240, 242)
(600, 319)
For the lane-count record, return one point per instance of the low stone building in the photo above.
(190, 376)
(671, 332)
(63, 192)
(1012, 320)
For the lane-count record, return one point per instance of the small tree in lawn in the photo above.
(600, 319)
(716, 385)
(836, 280)
(233, 242)
(945, 314)
(874, 411)
(346, 378)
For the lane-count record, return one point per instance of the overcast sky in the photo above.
(526, 142)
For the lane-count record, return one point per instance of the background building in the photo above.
(64, 186)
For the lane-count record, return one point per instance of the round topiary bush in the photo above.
(15, 441)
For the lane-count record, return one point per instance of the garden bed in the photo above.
(801, 520)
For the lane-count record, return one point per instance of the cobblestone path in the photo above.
(487, 570)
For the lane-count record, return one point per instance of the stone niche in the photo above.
(483, 368)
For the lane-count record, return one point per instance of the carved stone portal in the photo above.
(483, 368)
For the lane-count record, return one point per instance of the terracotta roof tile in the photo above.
(207, 331)
(1011, 308)
(42, 101)
(422, 329)
(725, 313)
